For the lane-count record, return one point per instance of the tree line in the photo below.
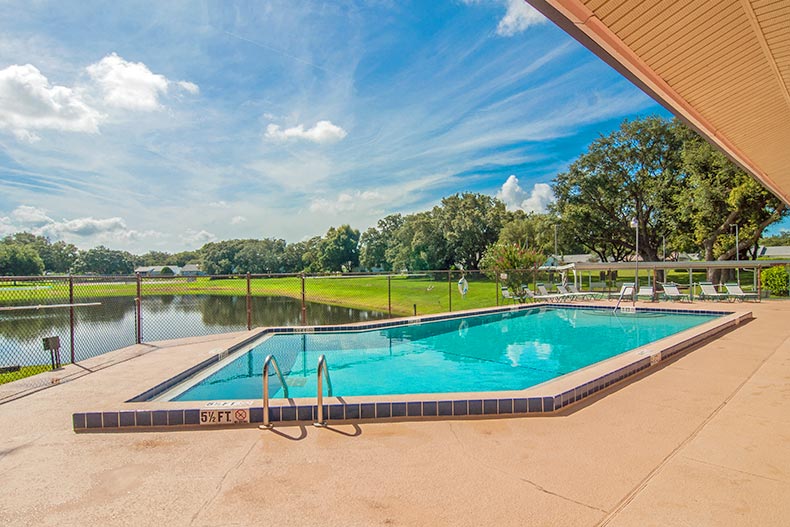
(654, 173)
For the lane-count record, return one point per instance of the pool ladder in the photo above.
(271, 361)
(323, 369)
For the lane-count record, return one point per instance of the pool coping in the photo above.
(544, 399)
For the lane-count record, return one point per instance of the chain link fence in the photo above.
(91, 315)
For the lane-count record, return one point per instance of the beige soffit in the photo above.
(723, 66)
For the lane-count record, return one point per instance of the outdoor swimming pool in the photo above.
(502, 351)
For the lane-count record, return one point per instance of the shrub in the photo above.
(776, 280)
(517, 261)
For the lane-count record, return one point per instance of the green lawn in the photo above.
(362, 292)
(24, 371)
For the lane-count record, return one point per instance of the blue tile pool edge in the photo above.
(405, 409)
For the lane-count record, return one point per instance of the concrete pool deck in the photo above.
(705, 440)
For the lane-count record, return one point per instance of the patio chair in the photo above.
(543, 294)
(734, 292)
(507, 296)
(671, 293)
(590, 295)
(709, 292)
(626, 291)
(570, 295)
(645, 292)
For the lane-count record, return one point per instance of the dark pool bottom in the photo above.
(541, 400)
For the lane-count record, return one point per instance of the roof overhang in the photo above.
(721, 66)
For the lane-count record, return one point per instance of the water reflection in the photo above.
(111, 325)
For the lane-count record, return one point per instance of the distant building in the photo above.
(191, 270)
(779, 251)
(156, 270)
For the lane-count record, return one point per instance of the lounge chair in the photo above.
(671, 293)
(709, 292)
(507, 296)
(590, 295)
(626, 291)
(645, 292)
(569, 295)
(734, 292)
(545, 295)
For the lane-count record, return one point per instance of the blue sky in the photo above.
(165, 125)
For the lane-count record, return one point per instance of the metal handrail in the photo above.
(270, 360)
(322, 367)
(623, 293)
(48, 306)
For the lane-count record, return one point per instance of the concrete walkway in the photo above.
(703, 441)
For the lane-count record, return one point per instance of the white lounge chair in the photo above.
(709, 292)
(734, 292)
(506, 295)
(671, 293)
(545, 295)
(645, 292)
(591, 295)
(626, 291)
(566, 293)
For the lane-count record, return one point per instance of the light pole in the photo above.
(635, 225)
(737, 253)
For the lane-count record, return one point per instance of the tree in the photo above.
(470, 223)
(185, 257)
(716, 196)
(58, 257)
(104, 261)
(633, 173)
(339, 249)
(20, 260)
(220, 257)
(260, 256)
(153, 258)
(374, 242)
(515, 260)
(783, 238)
(418, 244)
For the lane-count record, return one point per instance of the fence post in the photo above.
(449, 290)
(249, 304)
(389, 295)
(71, 315)
(139, 313)
(496, 272)
(759, 283)
(304, 306)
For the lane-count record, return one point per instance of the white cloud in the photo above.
(191, 87)
(323, 132)
(346, 202)
(27, 215)
(193, 238)
(28, 102)
(131, 85)
(37, 221)
(519, 16)
(536, 200)
(218, 204)
(235, 220)
(83, 226)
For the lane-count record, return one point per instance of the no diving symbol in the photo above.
(241, 415)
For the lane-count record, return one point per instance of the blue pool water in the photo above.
(503, 351)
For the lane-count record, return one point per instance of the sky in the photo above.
(166, 125)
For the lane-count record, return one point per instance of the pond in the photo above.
(111, 325)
